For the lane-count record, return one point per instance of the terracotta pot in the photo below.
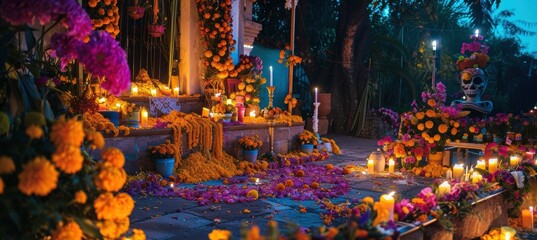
(435, 158)
(156, 30)
(324, 109)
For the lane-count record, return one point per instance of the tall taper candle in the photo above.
(270, 83)
(316, 90)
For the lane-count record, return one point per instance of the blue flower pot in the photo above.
(307, 148)
(164, 166)
(250, 155)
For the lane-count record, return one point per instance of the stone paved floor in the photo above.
(176, 218)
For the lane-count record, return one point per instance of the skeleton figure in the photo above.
(473, 83)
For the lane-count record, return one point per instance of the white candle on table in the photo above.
(477, 33)
(480, 164)
(316, 94)
(493, 165)
(434, 45)
(387, 202)
(145, 117)
(134, 91)
(370, 165)
(154, 92)
(513, 160)
(458, 171)
(176, 91)
(270, 68)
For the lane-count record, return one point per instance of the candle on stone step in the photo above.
(458, 171)
(154, 92)
(176, 91)
(527, 218)
(443, 189)
(493, 165)
(252, 117)
(513, 160)
(481, 164)
(145, 118)
(370, 165)
(391, 166)
(387, 202)
(134, 91)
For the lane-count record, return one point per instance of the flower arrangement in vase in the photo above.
(250, 142)
(307, 137)
(163, 157)
(433, 121)
(250, 147)
(409, 149)
(223, 111)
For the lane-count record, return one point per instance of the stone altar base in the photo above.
(134, 146)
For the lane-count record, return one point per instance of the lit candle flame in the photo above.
(434, 45)
(252, 113)
(102, 100)
(477, 33)
(391, 194)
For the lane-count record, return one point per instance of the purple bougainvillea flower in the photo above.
(64, 47)
(103, 57)
(77, 21)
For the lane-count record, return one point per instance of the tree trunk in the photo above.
(350, 76)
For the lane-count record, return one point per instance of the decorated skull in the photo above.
(473, 83)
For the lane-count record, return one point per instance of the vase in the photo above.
(113, 116)
(307, 148)
(227, 117)
(250, 155)
(133, 119)
(435, 158)
(164, 166)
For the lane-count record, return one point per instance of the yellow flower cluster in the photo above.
(197, 168)
(215, 29)
(113, 211)
(104, 15)
(218, 234)
(271, 112)
(307, 137)
(287, 58)
(222, 107)
(97, 122)
(431, 171)
(110, 175)
(290, 99)
(250, 142)
(250, 88)
(164, 150)
(71, 230)
(38, 177)
(289, 118)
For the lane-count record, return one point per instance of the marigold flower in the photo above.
(300, 173)
(69, 231)
(6, 165)
(113, 228)
(125, 205)
(67, 132)
(421, 126)
(81, 197)
(113, 156)
(442, 128)
(38, 177)
(315, 185)
(420, 115)
(34, 132)
(368, 200)
(109, 177)
(454, 131)
(105, 206)
(329, 167)
(280, 187)
(436, 137)
(430, 113)
(429, 124)
(431, 102)
(289, 183)
(253, 194)
(138, 234)
(95, 139)
(218, 234)
(68, 158)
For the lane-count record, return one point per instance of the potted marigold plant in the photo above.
(250, 147)
(163, 156)
(223, 111)
(307, 141)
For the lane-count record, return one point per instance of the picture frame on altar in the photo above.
(232, 85)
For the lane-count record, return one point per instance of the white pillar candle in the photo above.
(134, 91)
(443, 189)
(316, 94)
(270, 83)
(371, 165)
(154, 92)
(434, 45)
(176, 91)
(493, 165)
